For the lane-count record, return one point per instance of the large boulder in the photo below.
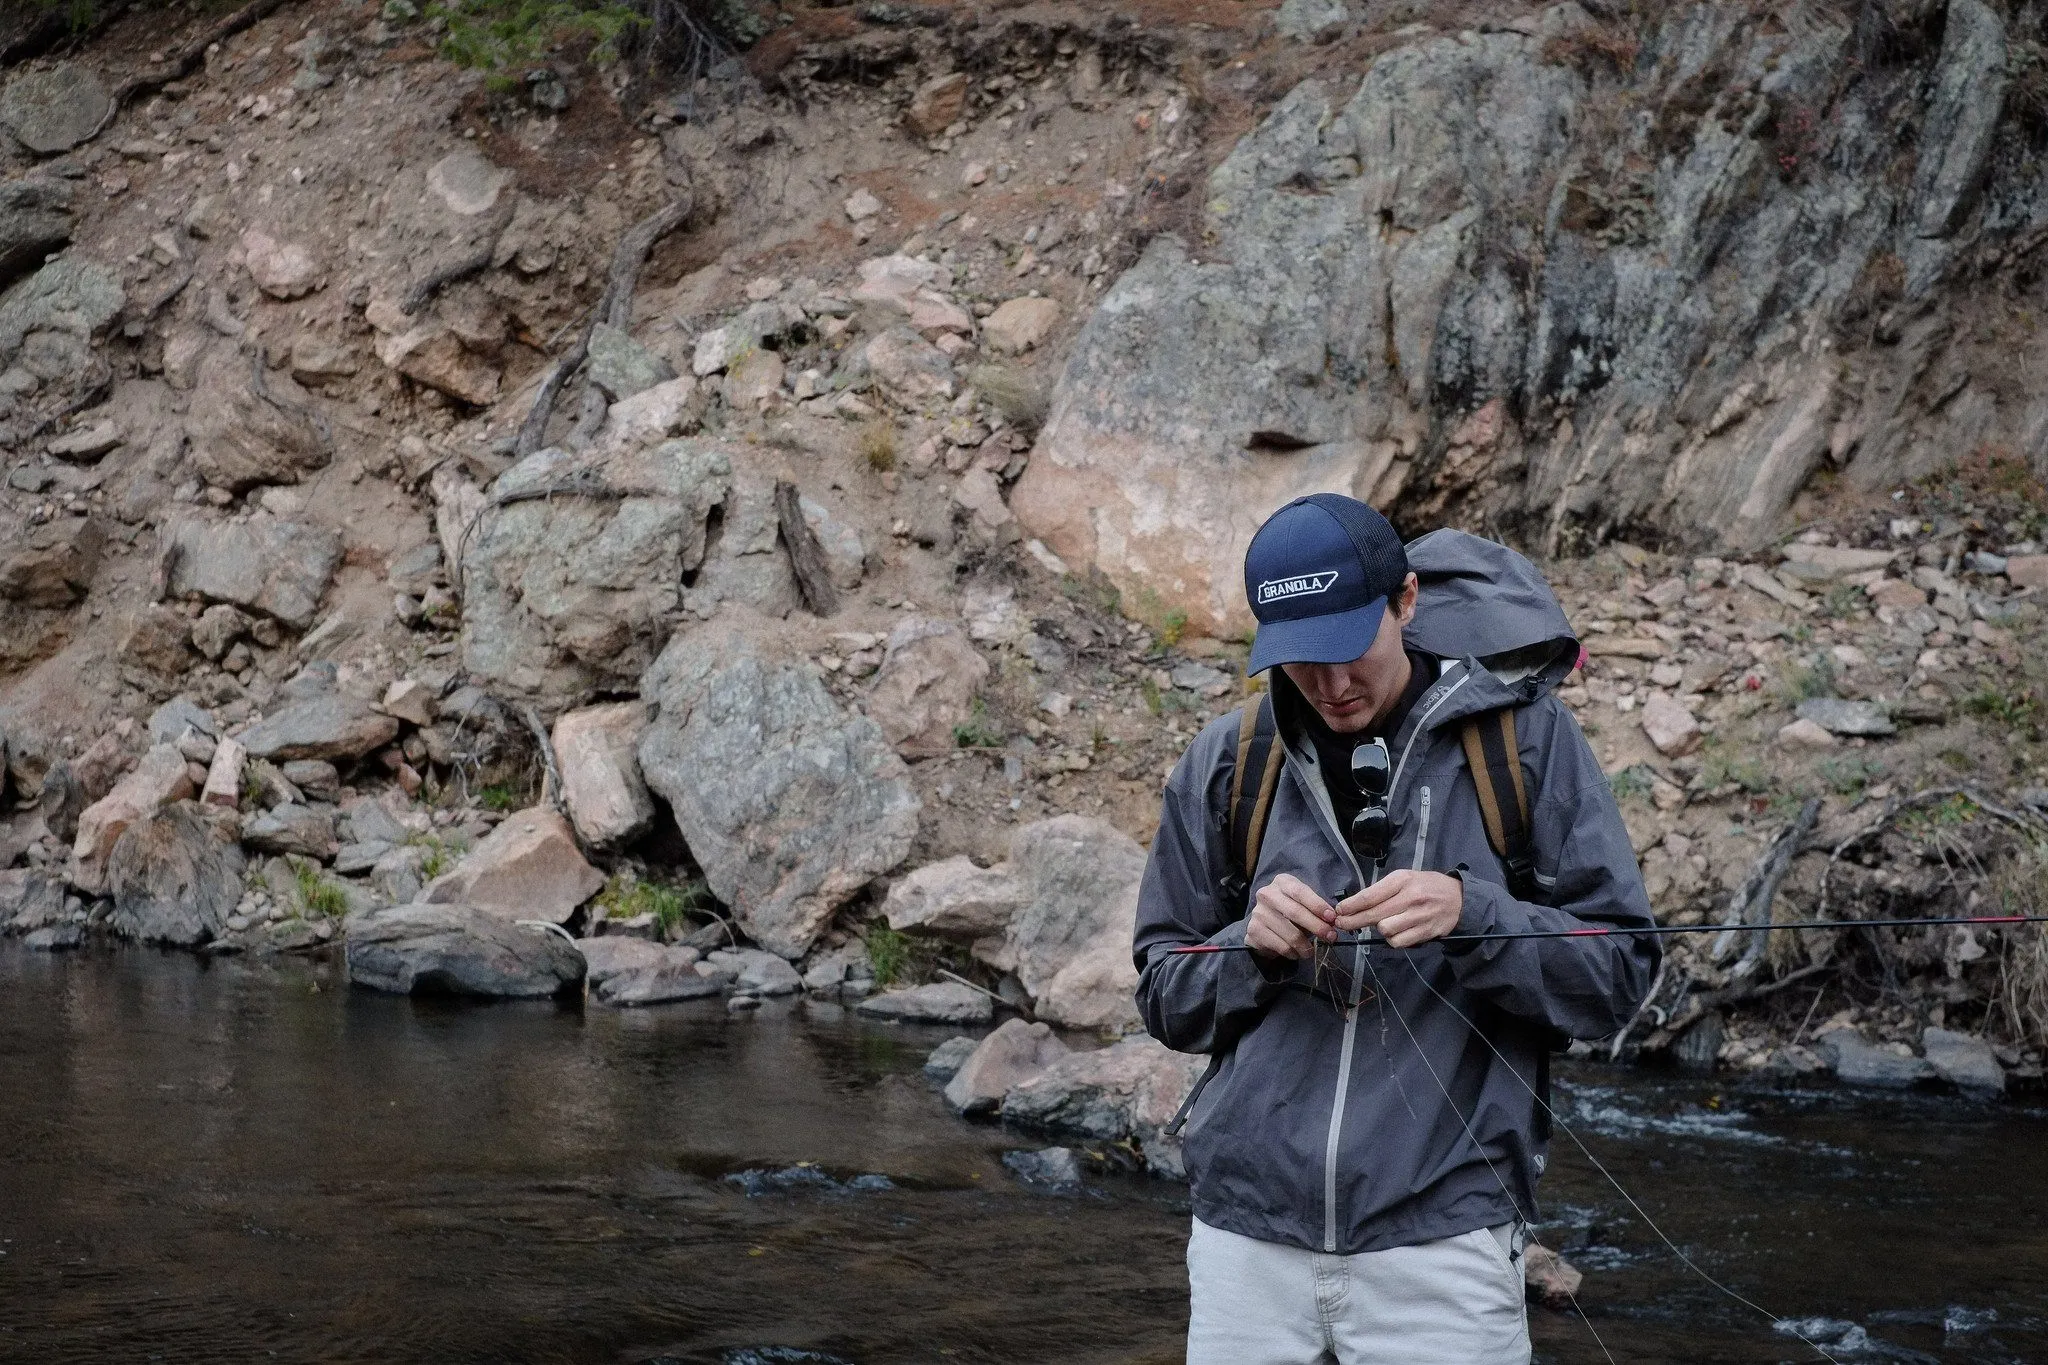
(1856, 1061)
(457, 950)
(1963, 1061)
(1097, 987)
(327, 724)
(527, 868)
(573, 571)
(957, 899)
(248, 426)
(159, 779)
(173, 878)
(1077, 871)
(926, 686)
(52, 565)
(1128, 1091)
(596, 750)
(29, 900)
(67, 304)
(789, 804)
(278, 568)
(55, 109)
(1005, 1059)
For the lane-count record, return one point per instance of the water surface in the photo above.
(233, 1161)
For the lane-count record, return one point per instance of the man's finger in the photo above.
(1380, 891)
(1295, 889)
(1276, 937)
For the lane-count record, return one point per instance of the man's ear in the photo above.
(1404, 603)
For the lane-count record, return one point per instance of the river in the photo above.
(237, 1161)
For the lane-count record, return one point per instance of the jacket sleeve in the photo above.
(1587, 987)
(1196, 1002)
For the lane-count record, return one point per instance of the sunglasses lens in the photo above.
(1371, 832)
(1369, 768)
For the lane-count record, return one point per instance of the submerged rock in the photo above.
(1051, 1168)
(1857, 1062)
(457, 950)
(941, 1002)
(1963, 1061)
(1129, 1090)
(945, 1060)
(1005, 1059)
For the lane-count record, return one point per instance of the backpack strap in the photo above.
(1496, 764)
(1251, 797)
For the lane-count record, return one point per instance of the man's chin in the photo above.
(1351, 722)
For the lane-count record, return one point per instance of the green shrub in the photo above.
(671, 903)
(503, 37)
(1633, 781)
(889, 954)
(978, 731)
(501, 796)
(318, 898)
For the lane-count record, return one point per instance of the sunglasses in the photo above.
(1372, 830)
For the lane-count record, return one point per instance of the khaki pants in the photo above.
(1452, 1302)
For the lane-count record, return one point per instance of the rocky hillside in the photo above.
(779, 522)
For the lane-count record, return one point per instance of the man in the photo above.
(1365, 1149)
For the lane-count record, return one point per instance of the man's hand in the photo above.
(1407, 907)
(1288, 918)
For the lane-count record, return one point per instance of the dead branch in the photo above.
(806, 557)
(1706, 1001)
(1766, 878)
(614, 309)
(187, 58)
(551, 783)
(2031, 826)
(462, 267)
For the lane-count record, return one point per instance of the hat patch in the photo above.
(1302, 585)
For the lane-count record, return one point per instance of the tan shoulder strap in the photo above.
(1495, 761)
(1260, 756)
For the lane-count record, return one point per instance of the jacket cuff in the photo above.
(1489, 909)
(1246, 980)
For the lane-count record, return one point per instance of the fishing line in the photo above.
(1477, 1146)
(1660, 930)
(1780, 1324)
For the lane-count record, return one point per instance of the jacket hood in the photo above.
(1481, 600)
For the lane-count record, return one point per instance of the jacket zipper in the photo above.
(1322, 793)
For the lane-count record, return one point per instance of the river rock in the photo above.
(616, 954)
(35, 219)
(1857, 1062)
(789, 804)
(159, 779)
(330, 725)
(567, 595)
(291, 828)
(1006, 1058)
(54, 110)
(29, 899)
(1549, 1278)
(663, 984)
(457, 950)
(1020, 324)
(1097, 987)
(1307, 21)
(940, 1002)
(926, 686)
(1050, 1168)
(1964, 1061)
(283, 270)
(596, 750)
(56, 938)
(173, 878)
(278, 568)
(1804, 734)
(891, 283)
(52, 566)
(945, 1060)
(527, 868)
(1840, 717)
(957, 899)
(1129, 1090)
(756, 972)
(247, 426)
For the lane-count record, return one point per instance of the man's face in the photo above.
(1350, 697)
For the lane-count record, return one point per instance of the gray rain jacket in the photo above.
(1396, 1121)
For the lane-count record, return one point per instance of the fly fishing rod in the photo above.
(1606, 931)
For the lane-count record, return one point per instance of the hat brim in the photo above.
(1336, 638)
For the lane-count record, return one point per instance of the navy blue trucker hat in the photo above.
(1318, 575)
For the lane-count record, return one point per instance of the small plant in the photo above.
(1149, 690)
(441, 853)
(2015, 710)
(878, 445)
(1633, 781)
(889, 954)
(317, 897)
(1012, 392)
(1813, 680)
(501, 796)
(1095, 590)
(1747, 773)
(979, 730)
(671, 903)
(1850, 774)
(1173, 626)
